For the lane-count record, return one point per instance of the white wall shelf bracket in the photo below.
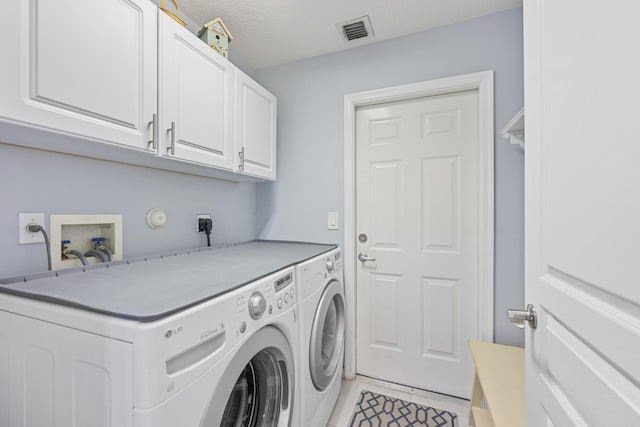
(514, 130)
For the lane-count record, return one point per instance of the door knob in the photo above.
(520, 316)
(362, 256)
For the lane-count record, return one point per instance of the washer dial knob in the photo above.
(257, 305)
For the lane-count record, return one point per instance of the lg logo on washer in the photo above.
(171, 332)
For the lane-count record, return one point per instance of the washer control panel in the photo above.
(265, 298)
(283, 282)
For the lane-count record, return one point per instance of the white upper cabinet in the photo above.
(119, 80)
(85, 68)
(255, 128)
(196, 98)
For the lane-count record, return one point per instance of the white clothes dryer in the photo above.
(229, 361)
(322, 320)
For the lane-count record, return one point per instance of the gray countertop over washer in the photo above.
(148, 288)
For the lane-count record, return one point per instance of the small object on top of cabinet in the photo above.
(217, 35)
(171, 14)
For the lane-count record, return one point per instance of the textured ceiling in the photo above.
(273, 32)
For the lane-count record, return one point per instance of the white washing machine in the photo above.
(322, 320)
(229, 361)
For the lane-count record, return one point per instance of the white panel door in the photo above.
(582, 68)
(196, 95)
(417, 203)
(83, 67)
(255, 127)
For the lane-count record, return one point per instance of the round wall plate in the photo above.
(156, 218)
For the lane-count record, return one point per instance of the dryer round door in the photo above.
(327, 336)
(256, 389)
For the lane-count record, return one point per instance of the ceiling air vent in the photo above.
(354, 29)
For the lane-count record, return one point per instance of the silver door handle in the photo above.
(520, 316)
(241, 155)
(362, 256)
(172, 148)
(154, 132)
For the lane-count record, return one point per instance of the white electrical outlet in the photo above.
(26, 237)
(201, 216)
(332, 221)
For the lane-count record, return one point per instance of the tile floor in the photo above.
(350, 392)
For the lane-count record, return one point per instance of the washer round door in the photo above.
(327, 336)
(256, 389)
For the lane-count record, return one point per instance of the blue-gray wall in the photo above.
(310, 160)
(40, 181)
(310, 134)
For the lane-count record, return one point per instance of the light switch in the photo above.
(333, 221)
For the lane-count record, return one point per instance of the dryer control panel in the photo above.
(338, 262)
(312, 275)
(334, 263)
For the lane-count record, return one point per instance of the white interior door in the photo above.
(582, 213)
(417, 192)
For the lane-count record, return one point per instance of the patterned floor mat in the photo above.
(377, 410)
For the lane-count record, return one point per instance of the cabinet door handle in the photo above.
(241, 165)
(172, 148)
(154, 132)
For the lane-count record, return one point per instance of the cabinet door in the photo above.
(255, 127)
(195, 98)
(83, 67)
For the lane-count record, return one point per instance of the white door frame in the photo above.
(483, 83)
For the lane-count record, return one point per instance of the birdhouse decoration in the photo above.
(215, 34)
